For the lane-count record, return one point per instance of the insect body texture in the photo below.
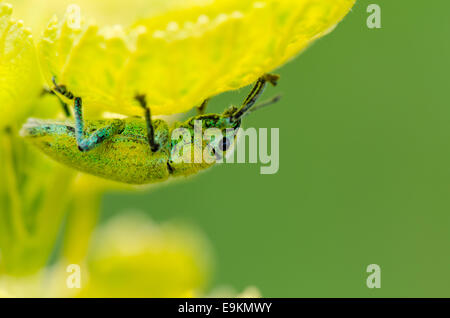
(125, 157)
(135, 150)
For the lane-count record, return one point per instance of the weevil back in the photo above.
(126, 157)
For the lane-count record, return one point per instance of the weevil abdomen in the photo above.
(125, 157)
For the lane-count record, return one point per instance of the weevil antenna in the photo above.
(259, 106)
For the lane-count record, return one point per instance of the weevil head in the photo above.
(199, 142)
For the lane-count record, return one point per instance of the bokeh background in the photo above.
(364, 169)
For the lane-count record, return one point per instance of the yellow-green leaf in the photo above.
(20, 81)
(132, 257)
(184, 54)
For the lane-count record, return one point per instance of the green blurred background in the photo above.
(364, 168)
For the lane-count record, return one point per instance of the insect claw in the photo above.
(141, 98)
(271, 78)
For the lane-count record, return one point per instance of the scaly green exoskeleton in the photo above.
(118, 149)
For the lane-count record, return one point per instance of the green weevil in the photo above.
(134, 150)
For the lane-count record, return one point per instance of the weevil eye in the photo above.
(224, 144)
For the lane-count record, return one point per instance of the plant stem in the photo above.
(17, 220)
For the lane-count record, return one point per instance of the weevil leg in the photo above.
(148, 119)
(255, 93)
(202, 108)
(89, 142)
(63, 91)
(64, 106)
